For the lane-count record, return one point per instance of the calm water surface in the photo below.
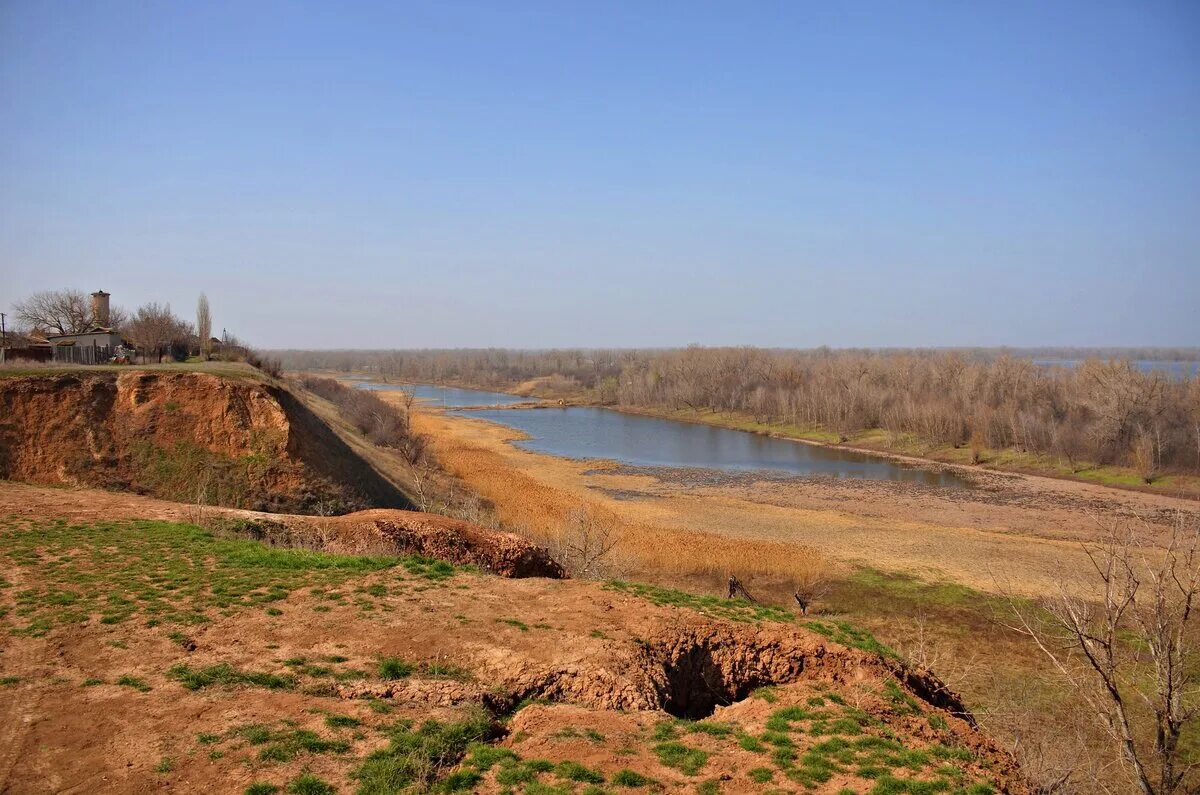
(447, 396)
(1177, 370)
(579, 432)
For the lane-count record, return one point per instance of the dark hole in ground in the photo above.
(696, 685)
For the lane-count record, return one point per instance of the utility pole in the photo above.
(3, 332)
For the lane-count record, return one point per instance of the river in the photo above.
(598, 433)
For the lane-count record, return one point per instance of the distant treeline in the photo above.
(1105, 410)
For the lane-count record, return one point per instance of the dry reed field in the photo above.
(523, 502)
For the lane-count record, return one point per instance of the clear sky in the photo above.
(538, 174)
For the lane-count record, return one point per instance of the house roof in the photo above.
(98, 330)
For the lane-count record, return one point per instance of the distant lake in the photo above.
(448, 396)
(584, 433)
(1175, 370)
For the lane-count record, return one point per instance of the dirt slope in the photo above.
(152, 657)
(377, 531)
(185, 436)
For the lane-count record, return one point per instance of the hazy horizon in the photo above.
(536, 175)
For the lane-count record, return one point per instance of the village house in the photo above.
(94, 346)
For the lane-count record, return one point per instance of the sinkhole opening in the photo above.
(696, 684)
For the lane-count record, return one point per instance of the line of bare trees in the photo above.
(1106, 411)
(1099, 411)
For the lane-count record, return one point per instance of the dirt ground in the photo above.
(1013, 533)
(89, 704)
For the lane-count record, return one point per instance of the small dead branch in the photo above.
(736, 589)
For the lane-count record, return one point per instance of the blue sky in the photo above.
(612, 174)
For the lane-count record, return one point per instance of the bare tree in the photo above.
(155, 329)
(1193, 411)
(1127, 645)
(587, 544)
(56, 312)
(204, 327)
(810, 584)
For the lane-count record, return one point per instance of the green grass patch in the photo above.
(760, 775)
(681, 757)
(393, 668)
(284, 746)
(308, 784)
(417, 758)
(342, 722)
(512, 622)
(631, 779)
(228, 676)
(732, 609)
(431, 569)
(573, 771)
(847, 634)
(161, 572)
(132, 681)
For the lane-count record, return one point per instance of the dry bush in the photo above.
(810, 583)
(1145, 460)
(587, 545)
(1125, 638)
(381, 423)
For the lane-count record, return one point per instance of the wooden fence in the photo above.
(31, 354)
(82, 354)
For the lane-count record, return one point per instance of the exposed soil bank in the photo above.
(379, 531)
(193, 437)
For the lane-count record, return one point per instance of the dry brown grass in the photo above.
(525, 504)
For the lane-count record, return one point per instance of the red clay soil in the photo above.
(444, 538)
(611, 674)
(151, 432)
